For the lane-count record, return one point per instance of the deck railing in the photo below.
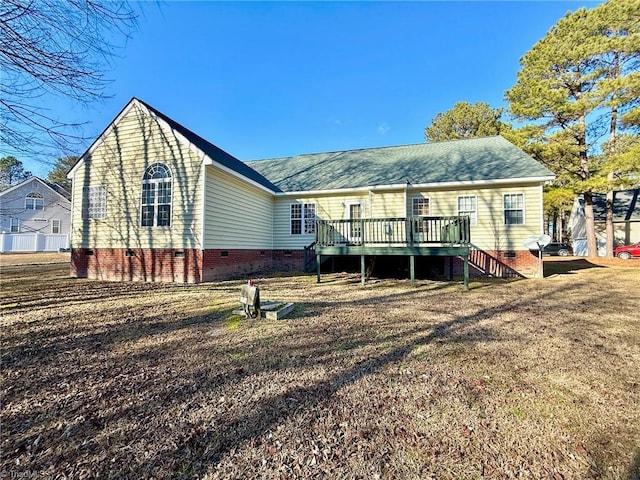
(452, 230)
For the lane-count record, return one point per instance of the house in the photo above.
(626, 221)
(35, 215)
(154, 201)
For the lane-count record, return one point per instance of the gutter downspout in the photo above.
(406, 198)
(407, 226)
(203, 210)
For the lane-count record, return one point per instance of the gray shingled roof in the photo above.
(626, 205)
(477, 159)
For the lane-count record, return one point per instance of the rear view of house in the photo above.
(154, 201)
(409, 200)
(35, 216)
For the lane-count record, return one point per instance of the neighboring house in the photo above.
(626, 221)
(35, 215)
(154, 201)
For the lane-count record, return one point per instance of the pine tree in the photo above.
(12, 172)
(618, 53)
(60, 169)
(569, 85)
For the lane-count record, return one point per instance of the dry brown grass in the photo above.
(523, 379)
(28, 258)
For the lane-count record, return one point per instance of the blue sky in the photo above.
(263, 80)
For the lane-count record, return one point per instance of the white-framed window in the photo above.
(156, 196)
(14, 227)
(34, 201)
(55, 226)
(513, 205)
(355, 211)
(468, 205)
(309, 218)
(420, 207)
(303, 218)
(94, 202)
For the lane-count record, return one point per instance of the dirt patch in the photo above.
(521, 379)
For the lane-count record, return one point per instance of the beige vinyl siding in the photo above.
(237, 214)
(376, 204)
(490, 233)
(327, 207)
(119, 162)
(386, 204)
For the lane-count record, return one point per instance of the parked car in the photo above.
(627, 251)
(558, 248)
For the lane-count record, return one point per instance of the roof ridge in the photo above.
(36, 178)
(334, 152)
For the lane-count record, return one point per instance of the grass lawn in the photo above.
(522, 379)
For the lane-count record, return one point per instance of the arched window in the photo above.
(156, 196)
(34, 201)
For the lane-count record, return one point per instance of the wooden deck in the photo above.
(412, 236)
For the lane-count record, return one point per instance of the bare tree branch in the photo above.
(53, 47)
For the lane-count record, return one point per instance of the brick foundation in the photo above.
(195, 266)
(226, 264)
(180, 265)
(501, 264)
(288, 260)
(148, 265)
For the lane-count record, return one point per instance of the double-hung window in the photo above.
(513, 208)
(15, 225)
(156, 196)
(468, 205)
(303, 218)
(34, 201)
(420, 208)
(55, 226)
(94, 202)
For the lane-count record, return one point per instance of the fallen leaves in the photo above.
(129, 380)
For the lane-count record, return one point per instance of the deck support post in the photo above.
(363, 269)
(318, 261)
(412, 270)
(466, 271)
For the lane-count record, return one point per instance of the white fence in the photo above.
(32, 242)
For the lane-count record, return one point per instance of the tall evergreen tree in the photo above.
(12, 172)
(559, 88)
(618, 53)
(58, 173)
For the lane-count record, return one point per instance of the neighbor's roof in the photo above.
(58, 189)
(470, 160)
(626, 205)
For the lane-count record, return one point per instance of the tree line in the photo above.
(576, 104)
